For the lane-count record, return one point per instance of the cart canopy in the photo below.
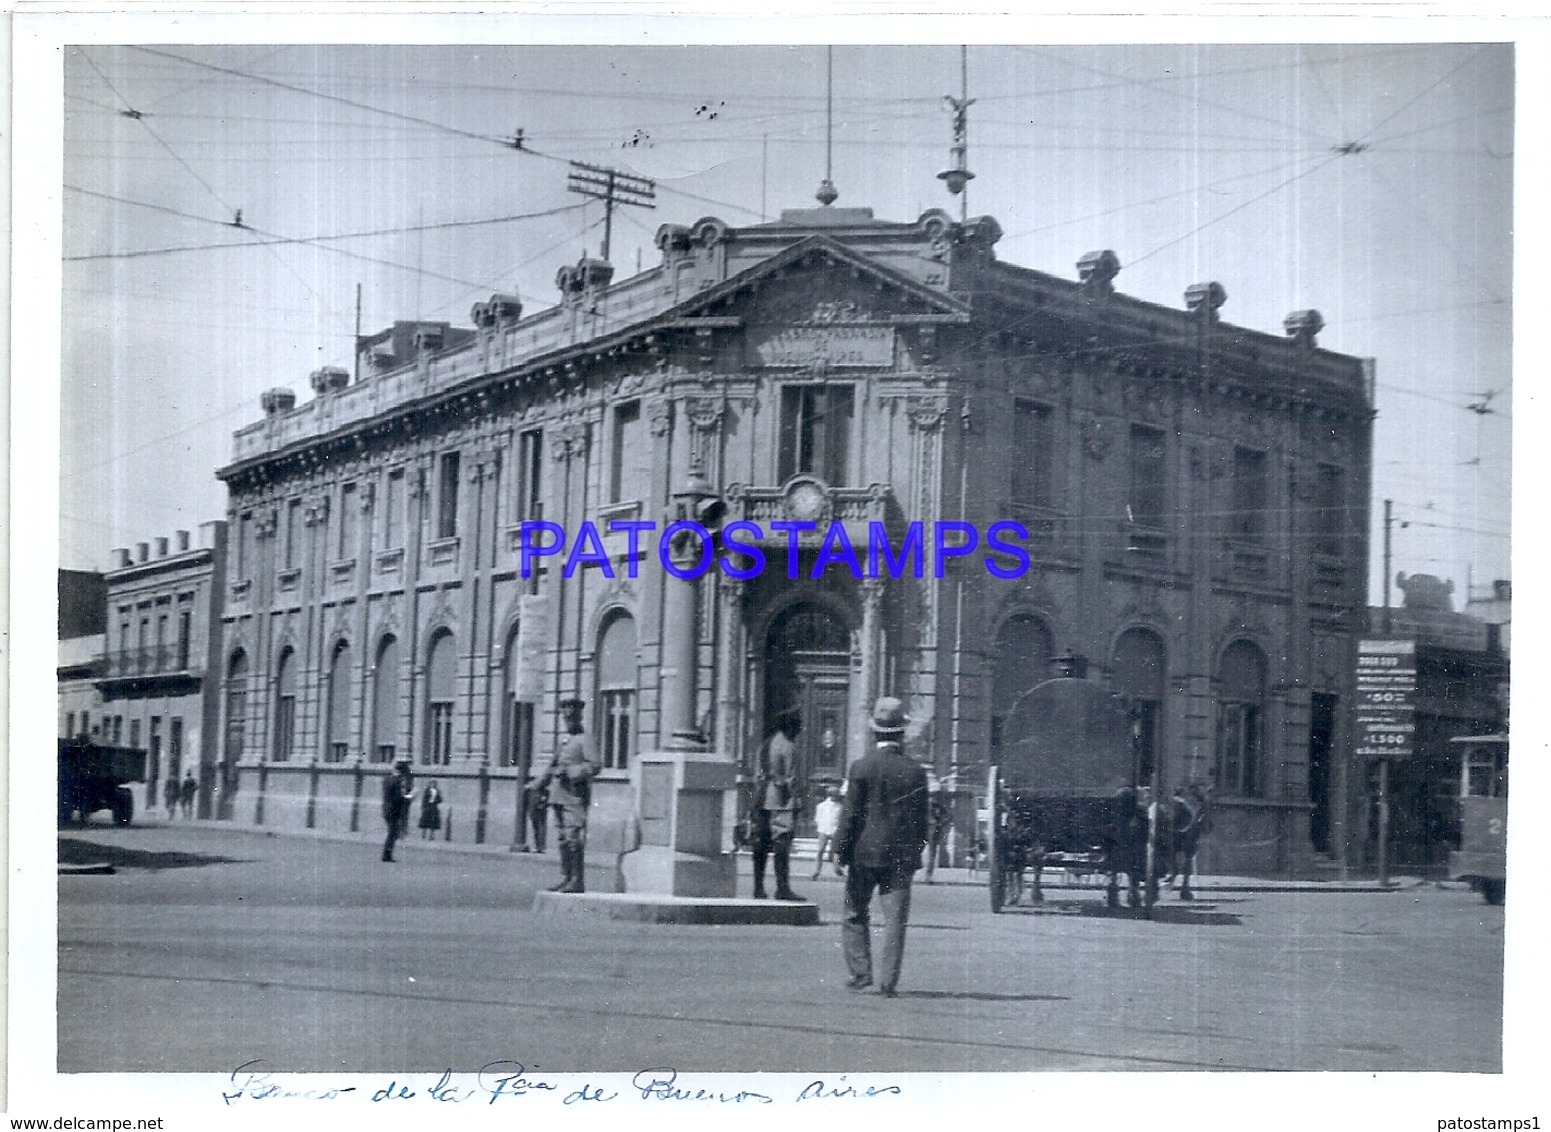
(1067, 737)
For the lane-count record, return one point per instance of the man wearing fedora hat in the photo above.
(882, 831)
(398, 790)
(568, 778)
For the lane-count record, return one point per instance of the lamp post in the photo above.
(697, 504)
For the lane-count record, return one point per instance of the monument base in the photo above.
(659, 869)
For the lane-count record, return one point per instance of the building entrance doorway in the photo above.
(808, 670)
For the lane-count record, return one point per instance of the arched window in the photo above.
(617, 667)
(339, 705)
(1022, 659)
(236, 712)
(1241, 679)
(285, 707)
(440, 692)
(1139, 668)
(385, 701)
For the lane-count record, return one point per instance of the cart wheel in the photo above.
(995, 866)
(1493, 891)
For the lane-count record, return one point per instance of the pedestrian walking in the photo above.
(826, 819)
(170, 796)
(568, 779)
(398, 792)
(187, 793)
(775, 807)
(882, 832)
(430, 811)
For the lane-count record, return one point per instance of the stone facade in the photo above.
(157, 677)
(1195, 497)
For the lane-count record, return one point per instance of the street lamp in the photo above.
(697, 503)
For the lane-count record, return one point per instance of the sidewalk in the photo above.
(1055, 880)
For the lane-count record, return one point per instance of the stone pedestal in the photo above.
(683, 799)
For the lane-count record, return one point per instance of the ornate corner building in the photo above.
(1195, 497)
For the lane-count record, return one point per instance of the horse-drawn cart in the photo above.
(1064, 793)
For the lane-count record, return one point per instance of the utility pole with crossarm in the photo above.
(611, 187)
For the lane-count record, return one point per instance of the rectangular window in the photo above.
(143, 657)
(816, 432)
(162, 659)
(1248, 516)
(628, 451)
(530, 463)
(69, 725)
(244, 545)
(385, 752)
(154, 742)
(126, 657)
(447, 496)
(1145, 502)
(185, 635)
(518, 751)
(439, 742)
(1329, 518)
(616, 705)
(236, 725)
(293, 529)
(175, 741)
(347, 514)
(1238, 749)
(392, 509)
(1030, 455)
(134, 732)
(285, 728)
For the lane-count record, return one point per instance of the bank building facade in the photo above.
(1195, 497)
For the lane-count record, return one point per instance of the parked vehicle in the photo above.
(93, 777)
(1064, 793)
(1482, 858)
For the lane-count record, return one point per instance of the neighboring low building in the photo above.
(83, 605)
(1462, 679)
(163, 613)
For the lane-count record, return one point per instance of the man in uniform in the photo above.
(398, 789)
(568, 778)
(775, 807)
(882, 832)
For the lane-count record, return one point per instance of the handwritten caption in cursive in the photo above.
(504, 1081)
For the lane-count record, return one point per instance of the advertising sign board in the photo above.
(1386, 698)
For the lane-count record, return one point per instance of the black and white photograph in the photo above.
(645, 567)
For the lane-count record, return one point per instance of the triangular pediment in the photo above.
(817, 282)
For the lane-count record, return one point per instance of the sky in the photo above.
(1370, 178)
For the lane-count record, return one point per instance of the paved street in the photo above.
(211, 946)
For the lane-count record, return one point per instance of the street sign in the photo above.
(1386, 698)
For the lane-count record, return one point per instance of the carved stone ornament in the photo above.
(659, 417)
(926, 413)
(843, 310)
(570, 441)
(705, 413)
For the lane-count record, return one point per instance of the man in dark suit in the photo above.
(882, 831)
(398, 789)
